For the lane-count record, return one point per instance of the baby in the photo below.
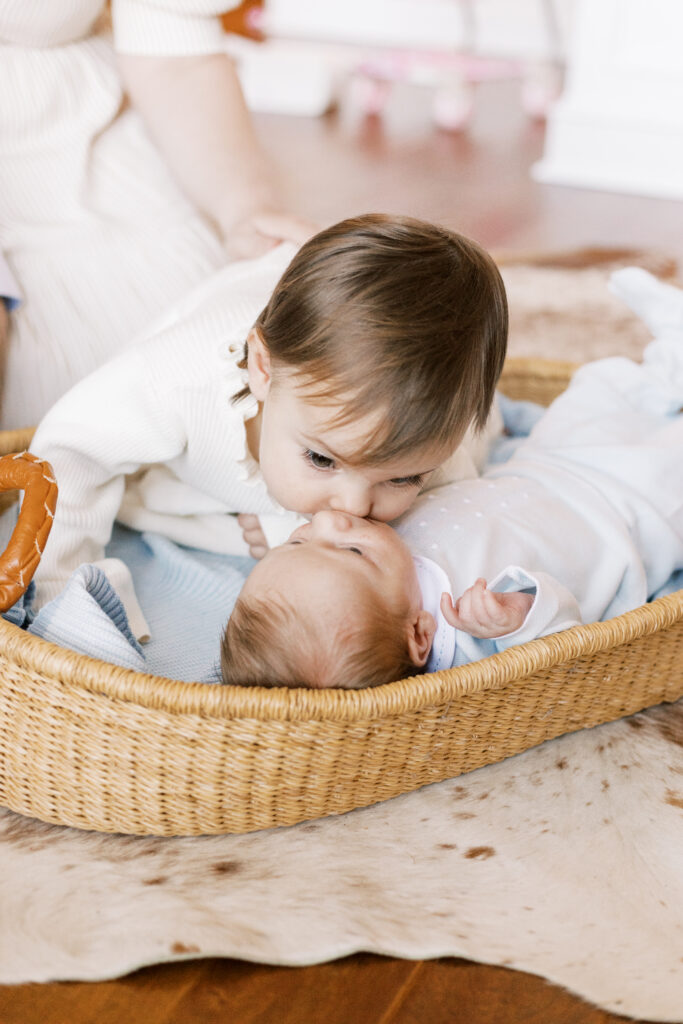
(341, 377)
(584, 522)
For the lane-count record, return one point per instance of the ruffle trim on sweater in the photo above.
(235, 378)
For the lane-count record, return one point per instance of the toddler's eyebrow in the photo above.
(323, 449)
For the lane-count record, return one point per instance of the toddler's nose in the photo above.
(356, 501)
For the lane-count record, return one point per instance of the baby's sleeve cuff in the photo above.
(554, 608)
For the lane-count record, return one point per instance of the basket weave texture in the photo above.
(86, 744)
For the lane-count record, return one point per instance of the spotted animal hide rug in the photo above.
(565, 861)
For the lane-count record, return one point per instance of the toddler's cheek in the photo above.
(387, 509)
(286, 492)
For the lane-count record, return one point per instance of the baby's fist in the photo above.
(485, 614)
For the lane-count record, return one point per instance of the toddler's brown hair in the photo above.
(392, 313)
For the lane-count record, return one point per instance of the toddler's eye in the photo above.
(356, 551)
(407, 481)
(317, 460)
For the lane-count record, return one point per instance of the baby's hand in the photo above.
(484, 614)
(253, 535)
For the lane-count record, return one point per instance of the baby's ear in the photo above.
(420, 636)
(258, 365)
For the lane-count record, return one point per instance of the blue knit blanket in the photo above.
(187, 596)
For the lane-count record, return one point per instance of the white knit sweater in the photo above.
(153, 439)
(95, 229)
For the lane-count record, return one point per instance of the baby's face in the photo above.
(326, 564)
(311, 465)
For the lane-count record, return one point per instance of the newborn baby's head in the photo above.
(337, 605)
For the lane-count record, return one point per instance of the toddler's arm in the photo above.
(109, 425)
(485, 614)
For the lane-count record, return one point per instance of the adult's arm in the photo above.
(195, 112)
(174, 67)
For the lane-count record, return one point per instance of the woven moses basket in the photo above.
(87, 744)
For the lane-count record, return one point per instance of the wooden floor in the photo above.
(361, 989)
(478, 183)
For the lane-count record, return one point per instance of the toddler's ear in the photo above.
(258, 365)
(420, 637)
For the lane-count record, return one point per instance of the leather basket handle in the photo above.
(25, 472)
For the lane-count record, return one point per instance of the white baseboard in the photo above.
(594, 152)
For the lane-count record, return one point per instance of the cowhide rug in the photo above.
(560, 307)
(566, 861)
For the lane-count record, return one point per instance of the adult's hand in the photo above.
(265, 229)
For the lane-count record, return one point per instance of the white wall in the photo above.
(501, 28)
(619, 123)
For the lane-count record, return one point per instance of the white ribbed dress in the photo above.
(93, 226)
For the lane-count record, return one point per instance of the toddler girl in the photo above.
(372, 353)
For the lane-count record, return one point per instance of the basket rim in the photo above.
(539, 366)
(284, 704)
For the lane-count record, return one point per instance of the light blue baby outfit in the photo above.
(587, 514)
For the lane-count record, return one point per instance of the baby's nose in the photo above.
(331, 521)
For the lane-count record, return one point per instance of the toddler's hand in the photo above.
(484, 614)
(253, 535)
